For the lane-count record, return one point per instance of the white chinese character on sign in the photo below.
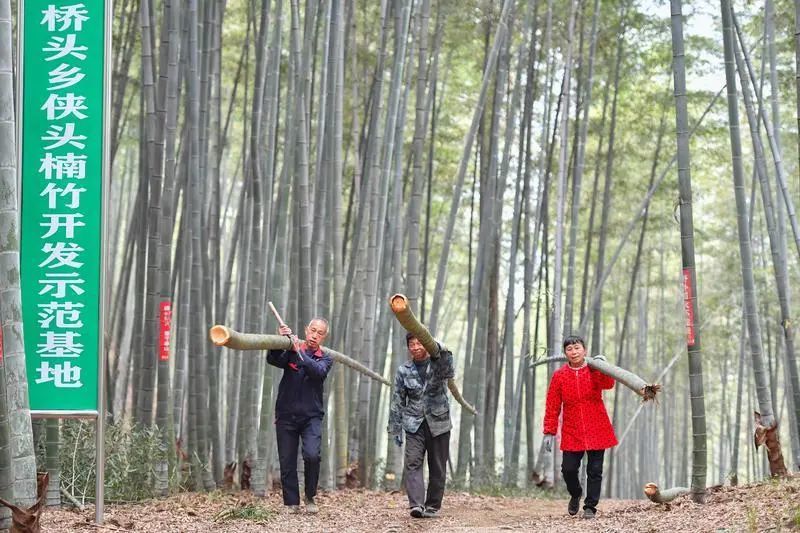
(67, 221)
(67, 105)
(62, 375)
(58, 344)
(64, 76)
(66, 315)
(63, 166)
(64, 46)
(59, 282)
(61, 254)
(70, 189)
(68, 16)
(63, 135)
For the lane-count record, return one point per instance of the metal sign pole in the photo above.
(104, 251)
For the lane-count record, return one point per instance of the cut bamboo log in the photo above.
(646, 390)
(655, 495)
(409, 321)
(225, 336)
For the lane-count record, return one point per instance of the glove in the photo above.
(548, 443)
(398, 439)
(600, 357)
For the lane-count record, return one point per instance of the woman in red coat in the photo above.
(576, 390)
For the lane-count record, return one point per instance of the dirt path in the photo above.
(753, 508)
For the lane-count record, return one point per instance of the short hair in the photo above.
(323, 320)
(410, 336)
(573, 339)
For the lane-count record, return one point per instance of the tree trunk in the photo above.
(16, 381)
(698, 485)
(765, 406)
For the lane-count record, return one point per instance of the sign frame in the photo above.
(105, 175)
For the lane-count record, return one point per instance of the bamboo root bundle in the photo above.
(409, 321)
(225, 336)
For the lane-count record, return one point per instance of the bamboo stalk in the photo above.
(407, 319)
(225, 336)
(646, 390)
(655, 495)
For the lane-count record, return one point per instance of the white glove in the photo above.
(548, 442)
(600, 357)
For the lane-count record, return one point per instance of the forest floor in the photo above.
(769, 506)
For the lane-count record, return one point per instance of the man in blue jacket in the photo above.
(299, 410)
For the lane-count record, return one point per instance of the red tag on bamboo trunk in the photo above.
(687, 305)
(164, 321)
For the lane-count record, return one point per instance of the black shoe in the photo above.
(588, 512)
(574, 503)
(430, 512)
(417, 512)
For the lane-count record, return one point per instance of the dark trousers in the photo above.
(438, 449)
(571, 464)
(289, 432)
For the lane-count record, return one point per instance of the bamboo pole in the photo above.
(225, 336)
(646, 390)
(409, 321)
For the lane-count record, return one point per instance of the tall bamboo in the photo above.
(699, 437)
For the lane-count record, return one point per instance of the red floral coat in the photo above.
(585, 424)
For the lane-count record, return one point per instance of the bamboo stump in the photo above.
(28, 520)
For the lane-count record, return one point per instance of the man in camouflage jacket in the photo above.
(420, 407)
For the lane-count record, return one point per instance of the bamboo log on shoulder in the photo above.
(409, 321)
(638, 385)
(230, 338)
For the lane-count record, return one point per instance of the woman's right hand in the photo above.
(548, 442)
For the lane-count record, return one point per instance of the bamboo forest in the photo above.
(399, 265)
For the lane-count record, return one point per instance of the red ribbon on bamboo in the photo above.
(164, 321)
(687, 305)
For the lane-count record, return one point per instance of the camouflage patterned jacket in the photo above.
(413, 400)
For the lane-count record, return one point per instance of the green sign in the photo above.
(62, 69)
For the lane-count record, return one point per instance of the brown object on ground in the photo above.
(244, 479)
(230, 338)
(769, 437)
(646, 390)
(351, 476)
(227, 476)
(402, 311)
(28, 520)
(656, 495)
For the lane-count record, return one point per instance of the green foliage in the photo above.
(794, 520)
(131, 455)
(752, 519)
(251, 512)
